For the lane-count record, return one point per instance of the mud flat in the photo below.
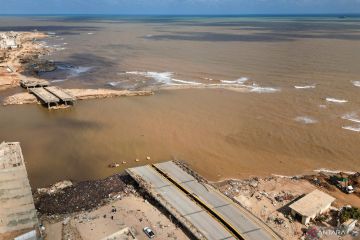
(79, 94)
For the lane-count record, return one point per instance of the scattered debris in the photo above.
(55, 188)
(113, 165)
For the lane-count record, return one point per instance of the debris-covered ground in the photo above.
(269, 198)
(95, 209)
(75, 211)
(124, 217)
(81, 196)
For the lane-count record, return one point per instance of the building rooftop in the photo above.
(312, 203)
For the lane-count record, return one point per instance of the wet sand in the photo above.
(215, 131)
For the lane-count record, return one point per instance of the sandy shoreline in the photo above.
(14, 63)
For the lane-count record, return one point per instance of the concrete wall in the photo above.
(306, 219)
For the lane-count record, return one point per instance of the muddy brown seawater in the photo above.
(309, 122)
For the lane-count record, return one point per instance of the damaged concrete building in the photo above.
(8, 40)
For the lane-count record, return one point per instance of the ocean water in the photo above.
(301, 75)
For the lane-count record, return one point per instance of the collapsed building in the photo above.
(9, 40)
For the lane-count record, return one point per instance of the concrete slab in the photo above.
(204, 223)
(17, 210)
(244, 222)
(61, 93)
(44, 95)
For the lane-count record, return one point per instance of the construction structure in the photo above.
(45, 97)
(17, 210)
(48, 95)
(64, 96)
(199, 207)
(311, 206)
(33, 83)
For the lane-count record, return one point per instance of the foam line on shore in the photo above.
(333, 171)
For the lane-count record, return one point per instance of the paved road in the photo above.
(201, 220)
(246, 224)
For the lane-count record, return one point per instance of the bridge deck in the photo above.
(61, 94)
(44, 95)
(31, 83)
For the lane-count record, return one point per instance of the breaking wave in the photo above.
(258, 89)
(352, 128)
(64, 72)
(305, 120)
(353, 117)
(166, 78)
(58, 80)
(356, 83)
(305, 87)
(76, 71)
(334, 100)
(238, 81)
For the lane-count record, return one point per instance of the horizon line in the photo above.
(180, 14)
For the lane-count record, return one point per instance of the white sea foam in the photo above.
(334, 100)
(113, 84)
(90, 33)
(352, 128)
(58, 80)
(238, 81)
(305, 120)
(74, 71)
(333, 171)
(162, 77)
(258, 89)
(166, 78)
(356, 83)
(186, 82)
(353, 117)
(305, 87)
(60, 49)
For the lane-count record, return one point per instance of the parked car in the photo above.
(149, 232)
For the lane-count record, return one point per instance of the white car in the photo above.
(149, 232)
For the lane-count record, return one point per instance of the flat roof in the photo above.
(312, 203)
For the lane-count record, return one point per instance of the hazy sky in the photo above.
(178, 6)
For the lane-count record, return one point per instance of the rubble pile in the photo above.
(9, 40)
(82, 196)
